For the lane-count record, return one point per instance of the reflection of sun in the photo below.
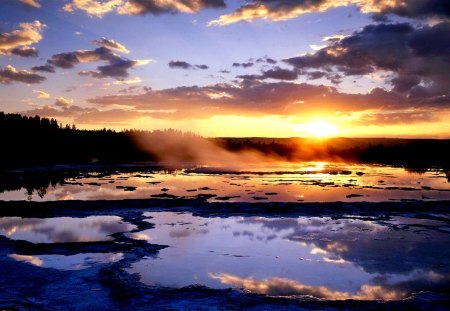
(320, 129)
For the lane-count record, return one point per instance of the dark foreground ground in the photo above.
(109, 287)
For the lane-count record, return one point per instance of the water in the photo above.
(322, 257)
(68, 262)
(308, 182)
(341, 257)
(345, 257)
(62, 229)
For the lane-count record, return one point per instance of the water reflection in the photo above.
(369, 244)
(62, 229)
(282, 182)
(71, 262)
(287, 287)
(348, 258)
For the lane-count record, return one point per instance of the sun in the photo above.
(319, 129)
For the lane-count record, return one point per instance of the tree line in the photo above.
(31, 141)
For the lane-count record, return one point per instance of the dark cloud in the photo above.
(142, 7)
(244, 65)
(117, 66)
(44, 68)
(24, 51)
(9, 74)
(267, 60)
(178, 64)
(203, 67)
(117, 69)
(417, 58)
(70, 59)
(276, 73)
(278, 10)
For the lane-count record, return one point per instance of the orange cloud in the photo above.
(279, 10)
(18, 41)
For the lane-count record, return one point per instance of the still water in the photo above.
(346, 257)
(62, 229)
(276, 182)
(321, 257)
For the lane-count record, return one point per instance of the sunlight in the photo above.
(319, 129)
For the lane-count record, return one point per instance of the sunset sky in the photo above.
(282, 68)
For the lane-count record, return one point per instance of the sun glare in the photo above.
(320, 129)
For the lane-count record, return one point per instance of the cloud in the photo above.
(276, 73)
(111, 44)
(93, 7)
(178, 64)
(32, 3)
(44, 68)
(141, 7)
(250, 98)
(117, 66)
(244, 65)
(18, 41)
(116, 69)
(253, 97)
(70, 59)
(400, 117)
(417, 58)
(63, 102)
(9, 74)
(41, 94)
(266, 59)
(279, 10)
(59, 111)
(129, 81)
(24, 51)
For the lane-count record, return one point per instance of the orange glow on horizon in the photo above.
(319, 129)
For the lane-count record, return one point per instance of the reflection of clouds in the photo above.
(138, 236)
(9, 225)
(367, 244)
(184, 233)
(287, 287)
(338, 261)
(317, 250)
(36, 261)
(107, 226)
(63, 229)
(288, 181)
(180, 233)
(70, 262)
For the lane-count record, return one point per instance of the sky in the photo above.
(272, 68)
